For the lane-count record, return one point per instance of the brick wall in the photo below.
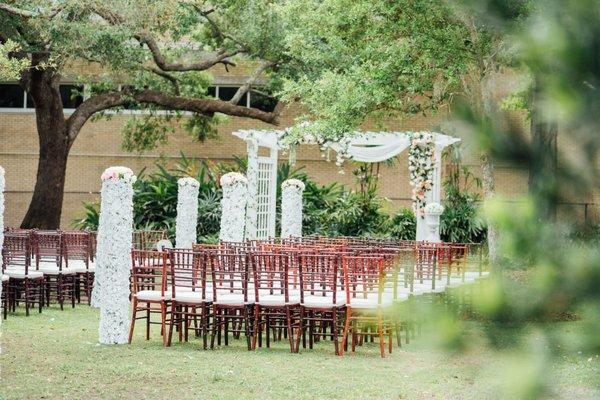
(99, 146)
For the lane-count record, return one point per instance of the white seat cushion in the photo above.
(152, 295)
(20, 274)
(5, 278)
(370, 302)
(312, 301)
(274, 300)
(233, 299)
(187, 296)
(55, 271)
(79, 266)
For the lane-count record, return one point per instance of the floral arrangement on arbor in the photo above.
(420, 166)
(187, 212)
(433, 208)
(233, 207)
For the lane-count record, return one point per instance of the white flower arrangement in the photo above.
(291, 208)
(113, 268)
(119, 173)
(297, 183)
(434, 208)
(187, 212)
(233, 178)
(421, 163)
(233, 207)
(188, 181)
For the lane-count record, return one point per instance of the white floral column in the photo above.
(291, 208)
(421, 165)
(252, 176)
(187, 212)
(432, 218)
(2, 183)
(233, 207)
(114, 254)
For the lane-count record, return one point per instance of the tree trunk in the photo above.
(487, 167)
(46, 204)
(543, 185)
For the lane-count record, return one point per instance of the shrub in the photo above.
(404, 225)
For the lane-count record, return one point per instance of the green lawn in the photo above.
(55, 356)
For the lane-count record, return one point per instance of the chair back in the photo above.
(77, 248)
(320, 275)
(364, 277)
(188, 270)
(47, 248)
(149, 271)
(16, 250)
(230, 273)
(271, 272)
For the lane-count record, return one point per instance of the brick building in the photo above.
(99, 146)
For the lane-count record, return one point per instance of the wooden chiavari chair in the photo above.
(77, 252)
(322, 297)
(149, 289)
(366, 301)
(233, 295)
(48, 256)
(24, 283)
(191, 294)
(276, 305)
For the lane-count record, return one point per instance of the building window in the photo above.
(14, 97)
(262, 102)
(251, 99)
(71, 95)
(11, 96)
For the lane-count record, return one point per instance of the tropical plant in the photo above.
(461, 221)
(404, 225)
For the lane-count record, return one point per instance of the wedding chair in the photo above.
(149, 289)
(191, 294)
(77, 252)
(276, 305)
(366, 302)
(24, 283)
(48, 255)
(232, 301)
(322, 297)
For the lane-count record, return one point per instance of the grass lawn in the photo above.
(55, 356)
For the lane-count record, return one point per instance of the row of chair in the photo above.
(299, 289)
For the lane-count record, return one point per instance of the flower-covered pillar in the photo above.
(421, 165)
(233, 207)
(113, 265)
(187, 212)
(252, 179)
(2, 183)
(291, 208)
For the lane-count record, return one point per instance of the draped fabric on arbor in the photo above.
(358, 146)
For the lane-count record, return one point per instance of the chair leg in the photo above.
(163, 317)
(346, 329)
(133, 317)
(147, 321)
(256, 333)
(380, 334)
(247, 326)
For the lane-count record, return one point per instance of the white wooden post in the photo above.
(2, 183)
(113, 266)
(252, 179)
(291, 208)
(233, 207)
(187, 212)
